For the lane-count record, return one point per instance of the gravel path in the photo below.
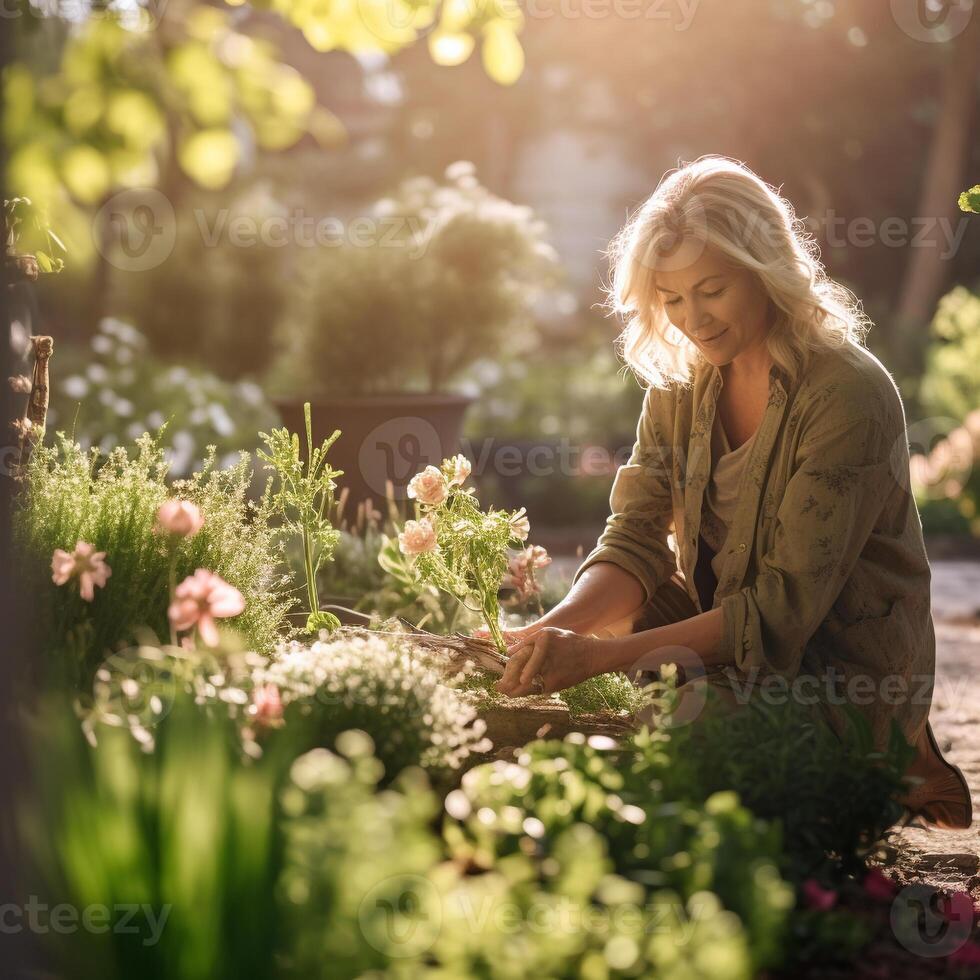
(946, 858)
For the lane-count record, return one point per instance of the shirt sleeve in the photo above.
(641, 512)
(831, 504)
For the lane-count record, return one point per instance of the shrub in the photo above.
(834, 795)
(450, 277)
(663, 843)
(111, 502)
(385, 685)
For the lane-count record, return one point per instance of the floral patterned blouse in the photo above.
(823, 575)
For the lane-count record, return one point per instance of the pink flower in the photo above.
(85, 562)
(818, 897)
(180, 518)
(967, 955)
(417, 538)
(460, 467)
(957, 907)
(199, 600)
(266, 706)
(536, 557)
(429, 487)
(521, 568)
(21, 384)
(520, 525)
(878, 886)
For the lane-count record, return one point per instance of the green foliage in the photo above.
(469, 558)
(347, 848)
(111, 502)
(187, 833)
(101, 120)
(448, 274)
(370, 574)
(950, 385)
(610, 693)
(834, 794)
(115, 390)
(402, 593)
(652, 836)
(389, 25)
(28, 232)
(970, 200)
(303, 502)
(950, 389)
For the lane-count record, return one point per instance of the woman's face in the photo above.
(723, 309)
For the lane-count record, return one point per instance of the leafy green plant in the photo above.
(111, 824)
(303, 501)
(665, 843)
(111, 502)
(970, 200)
(835, 794)
(371, 575)
(457, 547)
(611, 694)
(945, 478)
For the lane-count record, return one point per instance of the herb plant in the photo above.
(304, 498)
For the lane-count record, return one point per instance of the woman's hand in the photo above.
(561, 658)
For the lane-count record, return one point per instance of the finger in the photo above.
(535, 661)
(515, 662)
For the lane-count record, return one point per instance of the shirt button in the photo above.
(741, 547)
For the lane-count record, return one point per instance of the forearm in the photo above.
(690, 642)
(604, 594)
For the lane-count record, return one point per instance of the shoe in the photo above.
(942, 798)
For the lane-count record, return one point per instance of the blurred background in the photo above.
(398, 211)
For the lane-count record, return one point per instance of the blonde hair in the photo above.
(720, 202)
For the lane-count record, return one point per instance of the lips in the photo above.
(711, 340)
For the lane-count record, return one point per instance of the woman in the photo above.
(775, 445)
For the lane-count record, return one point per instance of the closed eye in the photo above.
(677, 299)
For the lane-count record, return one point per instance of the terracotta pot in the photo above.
(383, 437)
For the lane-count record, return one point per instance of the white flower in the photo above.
(461, 469)
(520, 525)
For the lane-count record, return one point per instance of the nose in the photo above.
(701, 320)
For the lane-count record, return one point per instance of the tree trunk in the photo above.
(942, 183)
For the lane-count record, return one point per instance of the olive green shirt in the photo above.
(824, 569)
